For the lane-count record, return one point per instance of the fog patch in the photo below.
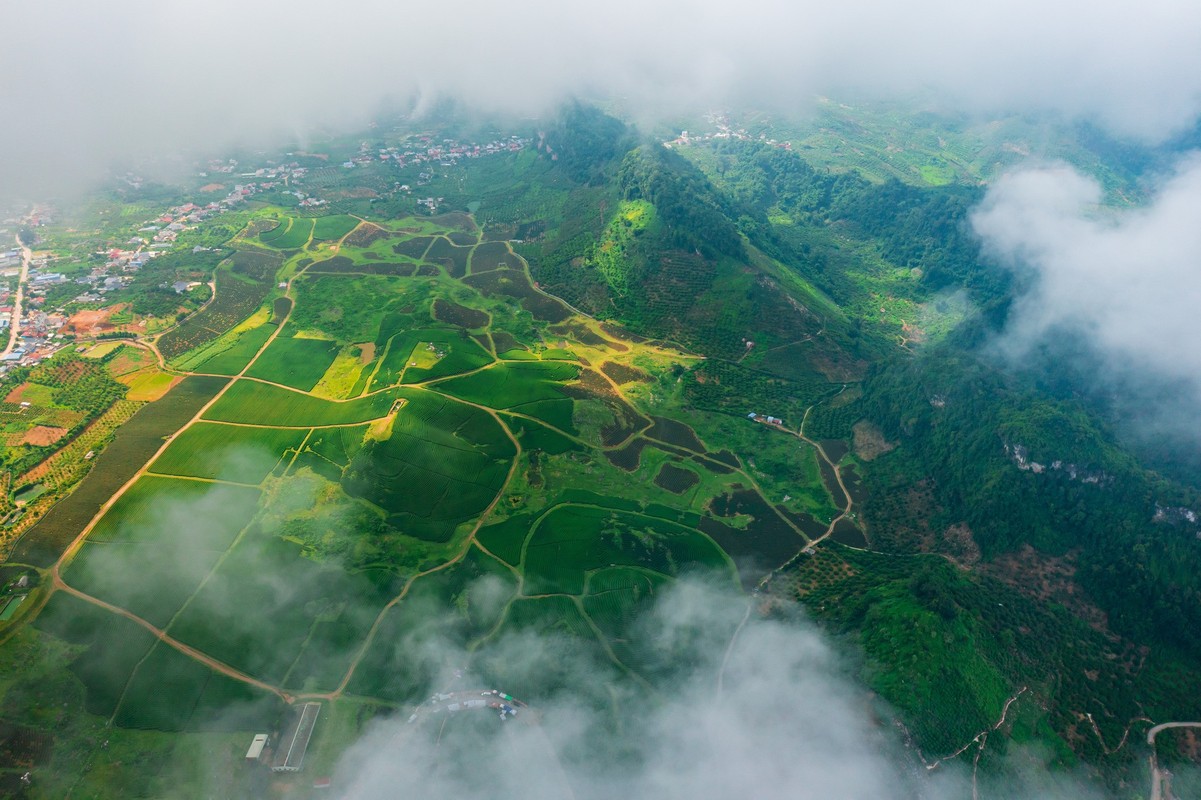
(1125, 282)
(786, 723)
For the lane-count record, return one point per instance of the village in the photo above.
(723, 131)
(43, 329)
(40, 328)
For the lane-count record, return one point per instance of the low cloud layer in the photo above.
(88, 83)
(784, 721)
(1126, 281)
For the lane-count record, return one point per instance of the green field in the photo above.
(293, 233)
(172, 692)
(153, 504)
(424, 354)
(290, 632)
(328, 228)
(133, 445)
(126, 564)
(111, 647)
(227, 452)
(234, 359)
(346, 308)
(443, 463)
(253, 403)
(299, 363)
(513, 384)
(570, 541)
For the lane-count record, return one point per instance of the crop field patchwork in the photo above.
(364, 445)
(133, 445)
(235, 300)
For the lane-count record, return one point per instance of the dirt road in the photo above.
(14, 325)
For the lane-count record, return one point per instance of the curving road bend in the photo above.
(1160, 777)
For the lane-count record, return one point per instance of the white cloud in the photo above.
(786, 724)
(1127, 280)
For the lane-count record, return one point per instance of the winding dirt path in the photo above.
(821, 451)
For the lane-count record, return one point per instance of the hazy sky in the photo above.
(86, 82)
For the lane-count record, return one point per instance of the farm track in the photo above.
(162, 636)
(846, 511)
(57, 582)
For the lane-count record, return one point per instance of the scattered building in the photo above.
(255, 752)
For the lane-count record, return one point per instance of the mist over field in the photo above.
(89, 84)
(774, 714)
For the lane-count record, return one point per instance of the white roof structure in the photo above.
(256, 747)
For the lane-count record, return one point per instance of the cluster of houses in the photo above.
(765, 419)
(723, 131)
(422, 149)
(158, 235)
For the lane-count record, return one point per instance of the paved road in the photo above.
(1157, 775)
(14, 326)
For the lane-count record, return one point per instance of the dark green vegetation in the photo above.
(437, 447)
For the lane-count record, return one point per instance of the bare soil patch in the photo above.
(869, 441)
(43, 435)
